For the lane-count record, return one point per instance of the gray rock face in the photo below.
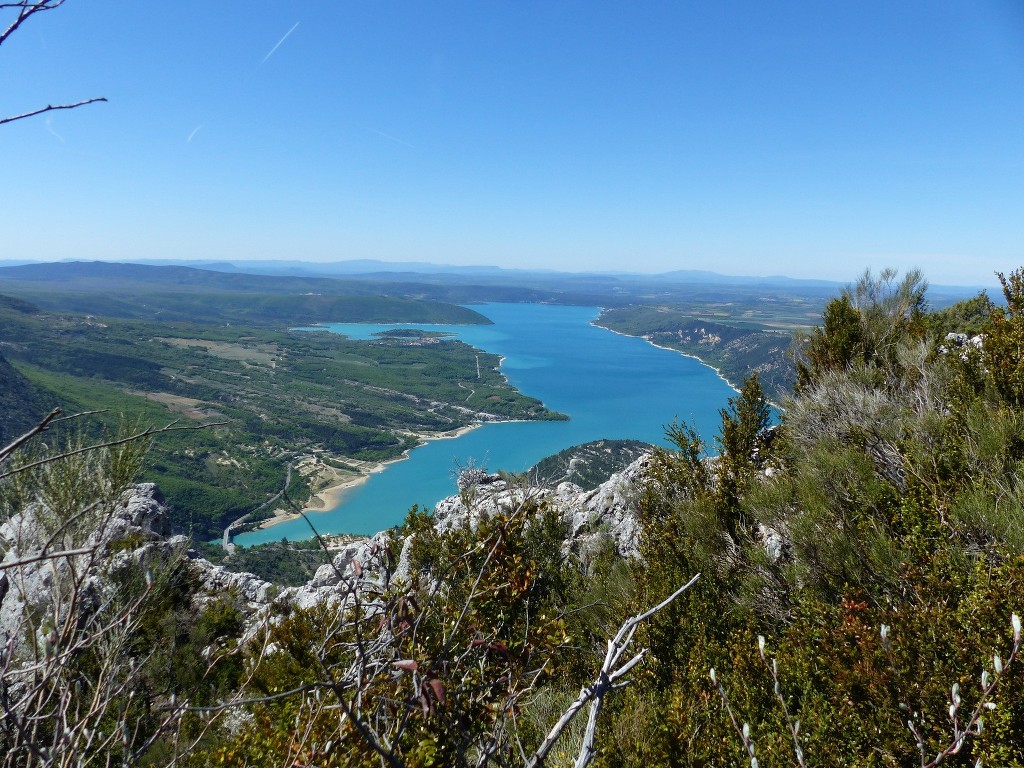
(364, 561)
(217, 580)
(137, 531)
(605, 512)
(145, 510)
(44, 558)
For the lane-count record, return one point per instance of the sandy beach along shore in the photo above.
(333, 483)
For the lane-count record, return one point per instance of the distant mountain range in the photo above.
(372, 268)
(444, 282)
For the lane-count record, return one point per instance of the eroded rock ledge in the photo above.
(137, 532)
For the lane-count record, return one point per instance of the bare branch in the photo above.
(80, 414)
(40, 427)
(794, 725)
(27, 10)
(147, 432)
(46, 556)
(606, 680)
(236, 703)
(973, 725)
(50, 108)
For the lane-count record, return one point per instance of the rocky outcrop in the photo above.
(366, 560)
(592, 517)
(136, 533)
(606, 512)
(51, 566)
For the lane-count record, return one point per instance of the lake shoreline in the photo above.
(690, 355)
(700, 360)
(332, 495)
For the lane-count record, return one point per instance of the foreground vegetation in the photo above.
(881, 561)
(859, 565)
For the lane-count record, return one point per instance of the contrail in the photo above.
(193, 134)
(271, 53)
(389, 136)
(49, 126)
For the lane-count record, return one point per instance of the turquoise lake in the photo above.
(611, 386)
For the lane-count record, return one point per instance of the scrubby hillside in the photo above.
(21, 404)
(587, 465)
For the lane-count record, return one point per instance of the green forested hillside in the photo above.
(587, 465)
(277, 394)
(21, 404)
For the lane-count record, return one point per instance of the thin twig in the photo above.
(46, 556)
(149, 431)
(40, 427)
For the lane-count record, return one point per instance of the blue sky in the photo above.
(811, 139)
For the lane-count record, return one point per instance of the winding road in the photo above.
(229, 545)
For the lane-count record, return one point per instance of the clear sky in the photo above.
(811, 139)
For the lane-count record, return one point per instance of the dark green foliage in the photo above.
(22, 405)
(18, 305)
(587, 465)
(174, 632)
(1004, 340)
(866, 323)
(970, 316)
(287, 563)
(741, 443)
(835, 344)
